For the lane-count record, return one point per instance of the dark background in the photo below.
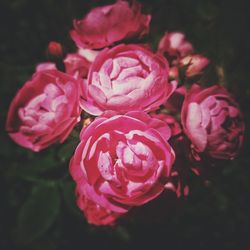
(37, 209)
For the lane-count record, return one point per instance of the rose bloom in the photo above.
(177, 182)
(175, 44)
(212, 120)
(55, 49)
(173, 73)
(122, 161)
(195, 64)
(45, 66)
(105, 25)
(126, 78)
(94, 213)
(171, 121)
(78, 64)
(45, 109)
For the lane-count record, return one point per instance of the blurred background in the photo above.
(38, 209)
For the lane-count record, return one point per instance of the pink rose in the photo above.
(181, 167)
(175, 44)
(45, 109)
(171, 121)
(55, 49)
(89, 54)
(94, 213)
(105, 25)
(126, 78)
(78, 64)
(173, 73)
(45, 66)
(213, 122)
(195, 64)
(122, 161)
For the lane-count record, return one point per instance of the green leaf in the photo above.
(207, 10)
(38, 213)
(67, 150)
(123, 233)
(68, 191)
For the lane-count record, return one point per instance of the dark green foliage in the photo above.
(38, 213)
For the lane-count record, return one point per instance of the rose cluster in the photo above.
(146, 119)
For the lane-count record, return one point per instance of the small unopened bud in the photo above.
(173, 73)
(55, 49)
(195, 64)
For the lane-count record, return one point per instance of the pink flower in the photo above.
(122, 161)
(173, 73)
(45, 66)
(78, 64)
(94, 213)
(175, 44)
(182, 166)
(195, 64)
(89, 54)
(105, 25)
(126, 78)
(55, 48)
(173, 124)
(213, 122)
(45, 109)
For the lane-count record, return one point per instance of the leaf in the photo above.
(207, 10)
(123, 233)
(38, 213)
(67, 150)
(68, 191)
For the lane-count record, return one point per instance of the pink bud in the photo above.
(173, 72)
(175, 44)
(195, 64)
(55, 49)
